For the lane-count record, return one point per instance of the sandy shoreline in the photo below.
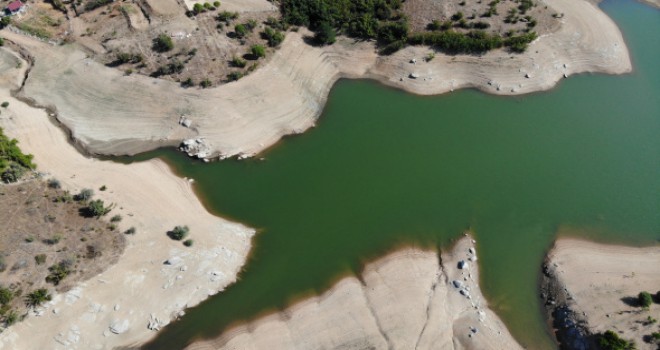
(592, 287)
(139, 288)
(110, 113)
(404, 300)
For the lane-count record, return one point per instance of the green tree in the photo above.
(325, 34)
(611, 341)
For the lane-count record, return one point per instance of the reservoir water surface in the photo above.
(385, 168)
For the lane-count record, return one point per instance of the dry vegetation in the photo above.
(209, 45)
(48, 242)
(507, 16)
(205, 47)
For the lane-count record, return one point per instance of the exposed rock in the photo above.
(463, 265)
(119, 326)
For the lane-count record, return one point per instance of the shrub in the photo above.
(53, 240)
(178, 233)
(216, 4)
(84, 195)
(2, 42)
(116, 218)
(5, 21)
(233, 76)
(188, 82)
(645, 299)
(197, 8)
(274, 37)
(11, 318)
(226, 16)
(94, 4)
(238, 62)
(12, 174)
(611, 341)
(188, 242)
(163, 43)
(205, 83)
(258, 51)
(130, 231)
(40, 259)
(58, 272)
(37, 297)
(240, 30)
(97, 208)
(6, 295)
(103, 188)
(54, 183)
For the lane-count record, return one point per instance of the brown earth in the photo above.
(39, 231)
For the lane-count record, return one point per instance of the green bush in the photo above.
(197, 8)
(226, 16)
(216, 4)
(94, 4)
(611, 341)
(6, 296)
(274, 37)
(84, 195)
(238, 62)
(97, 208)
(240, 30)
(58, 272)
(163, 43)
(205, 83)
(40, 259)
(116, 218)
(258, 51)
(11, 318)
(54, 183)
(37, 297)
(130, 231)
(233, 76)
(188, 242)
(645, 299)
(179, 233)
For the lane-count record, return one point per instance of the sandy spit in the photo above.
(140, 289)
(407, 301)
(595, 286)
(109, 113)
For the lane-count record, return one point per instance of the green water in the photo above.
(385, 168)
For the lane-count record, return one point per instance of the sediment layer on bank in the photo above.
(409, 299)
(110, 113)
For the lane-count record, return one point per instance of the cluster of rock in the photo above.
(196, 147)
